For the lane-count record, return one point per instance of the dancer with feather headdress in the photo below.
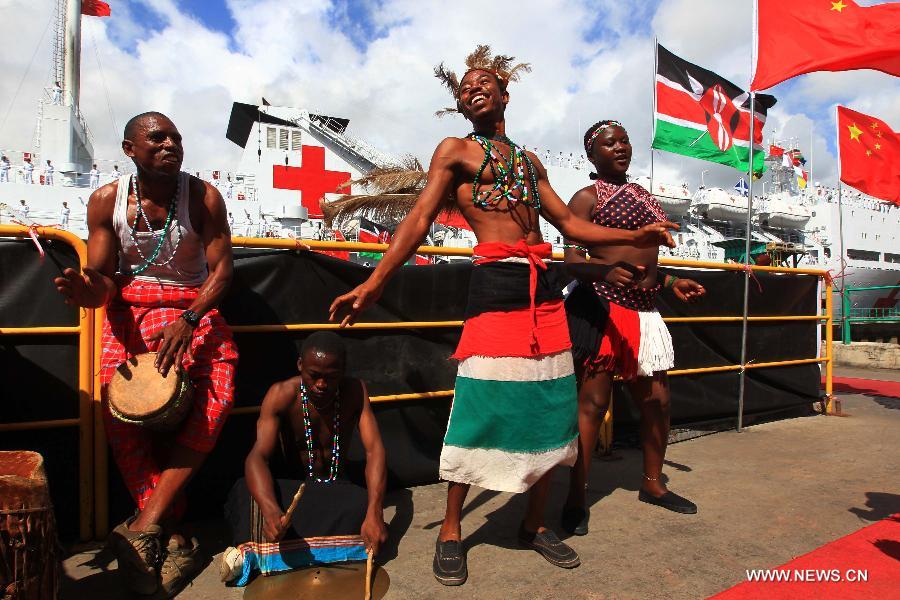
(514, 411)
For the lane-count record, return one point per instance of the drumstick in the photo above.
(370, 555)
(286, 519)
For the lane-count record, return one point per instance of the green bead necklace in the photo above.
(173, 211)
(514, 177)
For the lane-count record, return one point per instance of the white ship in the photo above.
(292, 157)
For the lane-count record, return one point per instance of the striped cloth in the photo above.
(276, 557)
(514, 413)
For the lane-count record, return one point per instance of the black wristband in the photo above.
(192, 318)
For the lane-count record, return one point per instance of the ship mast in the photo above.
(62, 134)
(72, 69)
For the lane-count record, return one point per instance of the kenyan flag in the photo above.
(701, 114)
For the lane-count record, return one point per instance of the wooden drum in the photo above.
(29, 563)
(140, 395)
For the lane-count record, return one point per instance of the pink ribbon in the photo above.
(33, 233)
(749, 270)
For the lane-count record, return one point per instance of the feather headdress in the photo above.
(392, 193)
(482, 59)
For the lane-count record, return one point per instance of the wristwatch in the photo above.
(192, 318)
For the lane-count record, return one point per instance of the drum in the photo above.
(140, 395)
(29, 563)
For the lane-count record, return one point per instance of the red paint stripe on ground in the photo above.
(872, 552)
(869, 387)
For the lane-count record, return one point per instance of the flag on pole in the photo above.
(703, 115)
(776, 151)
(741, 187)
(869, 153)
(95, 8)
(793, 37)
(373, 233)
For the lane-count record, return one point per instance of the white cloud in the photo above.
(298, 54)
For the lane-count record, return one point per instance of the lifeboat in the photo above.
(778, 214)
(718, 205)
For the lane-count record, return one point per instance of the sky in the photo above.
(372, 61)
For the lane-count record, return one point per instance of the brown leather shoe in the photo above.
(138, 553)
(179, 566)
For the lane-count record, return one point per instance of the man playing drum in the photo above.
(159, 260)
(311, 417)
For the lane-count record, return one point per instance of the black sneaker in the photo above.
(450, 563)
(575, 519)
(550, 547)
(670, 501)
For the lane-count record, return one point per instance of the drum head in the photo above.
(338, 581)
(138, 390)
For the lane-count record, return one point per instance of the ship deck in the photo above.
(773, 492)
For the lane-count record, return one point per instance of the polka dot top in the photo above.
(627, 206)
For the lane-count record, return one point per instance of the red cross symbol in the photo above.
(310, 178)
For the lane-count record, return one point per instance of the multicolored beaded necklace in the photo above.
(335, 443)
(170, 217)
(509, 175)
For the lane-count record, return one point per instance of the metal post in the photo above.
(743, 374)
(845, 324)
(829, 345)
(845, 312)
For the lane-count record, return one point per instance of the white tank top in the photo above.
(188, 265)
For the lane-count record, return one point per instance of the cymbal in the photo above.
(336, 581)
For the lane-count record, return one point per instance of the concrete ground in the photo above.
(775, 491)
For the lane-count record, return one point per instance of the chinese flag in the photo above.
(801, 36)
(95, 8)
(870, 155)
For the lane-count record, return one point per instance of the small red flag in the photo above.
(95, 8)
(870, 155)
(794, 37)
(775, 151)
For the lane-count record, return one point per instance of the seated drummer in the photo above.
(312, 417)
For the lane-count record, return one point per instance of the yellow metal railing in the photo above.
(93, 451)
(84, 422)
(606, 428)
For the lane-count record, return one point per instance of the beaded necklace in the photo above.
(509, 175)
(170, 217)
(335, 443)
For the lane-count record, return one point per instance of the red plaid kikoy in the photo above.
(142, 309)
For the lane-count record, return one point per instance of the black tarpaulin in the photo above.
(272, 287)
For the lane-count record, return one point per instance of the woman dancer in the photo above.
(614, 327)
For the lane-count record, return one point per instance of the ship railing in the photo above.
(93, 458)
(854, 314)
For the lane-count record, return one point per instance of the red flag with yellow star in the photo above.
(793, 37)
(870, 155)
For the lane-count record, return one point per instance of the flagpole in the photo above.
(842, 264)
(653, 109)
(743, 374)
(810, 161)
